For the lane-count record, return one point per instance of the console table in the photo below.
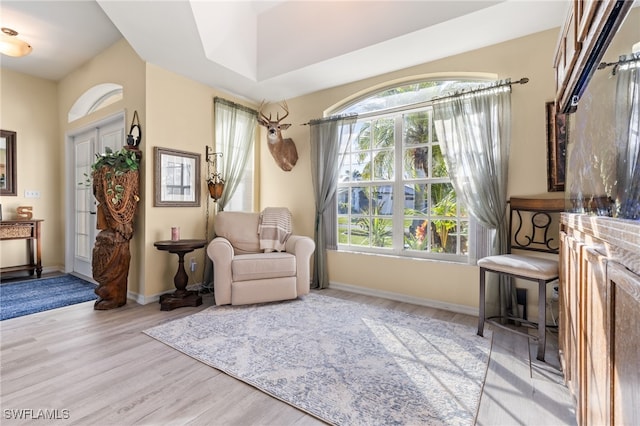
(29, 230)
(181, 297)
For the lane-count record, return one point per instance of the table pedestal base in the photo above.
(179, 299)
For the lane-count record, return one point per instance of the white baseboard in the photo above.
(52, 269)
(145, 300)
(460, 309)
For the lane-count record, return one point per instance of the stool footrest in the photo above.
(522, 333)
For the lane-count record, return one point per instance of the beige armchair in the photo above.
(244, 274)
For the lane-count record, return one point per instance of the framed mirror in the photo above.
(177, 178)
(8, 184)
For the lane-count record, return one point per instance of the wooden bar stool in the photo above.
(535, 230)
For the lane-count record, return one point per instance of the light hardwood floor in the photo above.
(98, 368)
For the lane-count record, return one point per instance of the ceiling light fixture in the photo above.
(11, 45)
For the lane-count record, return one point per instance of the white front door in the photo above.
(85, 146)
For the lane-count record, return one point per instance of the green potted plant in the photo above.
(111, 167)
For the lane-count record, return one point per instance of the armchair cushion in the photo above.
(263, 265)
(241, 229)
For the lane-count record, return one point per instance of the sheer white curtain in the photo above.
(235, 130)
(474, 130)
(328, 137)
(235, 127)
(628, 137)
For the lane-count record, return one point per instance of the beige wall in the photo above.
(179, 116)
(451, 283)
(28, 106)
(121, 65)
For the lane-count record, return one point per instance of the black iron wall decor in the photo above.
(135, 132)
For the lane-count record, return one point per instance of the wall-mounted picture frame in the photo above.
(557, 138)
(8, 183)
(177, 178)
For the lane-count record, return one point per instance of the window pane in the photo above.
(415, 234)
(343, 230)
(384, 133)
(360, 200)
(417, 128)
(416, 163)
(358, 235)
(375, 230)
(463, 230)
(416, 199)
(363, 141)
(411, 93)
(443, 200)
(361, 166)
(383, 165)
(442, 242)
(383, 200)
(242, 199)
(344, 175)
(343, 200)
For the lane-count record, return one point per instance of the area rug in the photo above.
(344, 362)
(37, 295)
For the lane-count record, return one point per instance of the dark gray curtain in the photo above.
(474, 130)
(328, 137)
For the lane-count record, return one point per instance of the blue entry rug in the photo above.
(344, 362)
(37, 295)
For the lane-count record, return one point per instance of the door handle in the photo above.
(92, 212)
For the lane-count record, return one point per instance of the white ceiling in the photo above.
(269, 50)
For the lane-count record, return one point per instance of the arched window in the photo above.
(95, 98)
(394, 192)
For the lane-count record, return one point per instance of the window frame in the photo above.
(399, 182)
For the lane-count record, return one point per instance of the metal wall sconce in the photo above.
(215, 183)
(135, 132)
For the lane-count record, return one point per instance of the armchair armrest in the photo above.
(302, 248)
(220, 251)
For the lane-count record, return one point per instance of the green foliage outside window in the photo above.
(433, 220)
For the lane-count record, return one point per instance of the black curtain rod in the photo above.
(623, 60)
(523, 80)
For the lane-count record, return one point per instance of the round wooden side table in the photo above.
(181, 297)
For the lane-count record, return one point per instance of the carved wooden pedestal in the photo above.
(181, 297)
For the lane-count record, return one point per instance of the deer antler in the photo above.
(285, 107)
(265, 121)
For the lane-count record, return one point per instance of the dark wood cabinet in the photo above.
(600, 317)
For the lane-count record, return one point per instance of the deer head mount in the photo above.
(283, 150)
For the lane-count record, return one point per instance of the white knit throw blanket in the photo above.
(274, 227)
